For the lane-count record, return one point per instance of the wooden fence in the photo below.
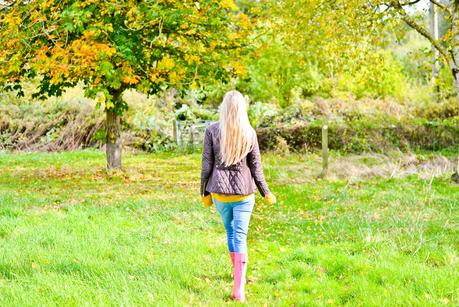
(190, 133)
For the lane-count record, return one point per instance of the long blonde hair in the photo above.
(236, 133)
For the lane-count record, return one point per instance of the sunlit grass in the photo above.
(72, 235)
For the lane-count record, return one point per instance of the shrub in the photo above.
(363, 135)
(262, 114)
(438, 110)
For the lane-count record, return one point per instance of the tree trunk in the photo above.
(114, 145)
(455, 50)
(435, 34)
(455, 73)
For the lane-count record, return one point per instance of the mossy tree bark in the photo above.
(114, 142)
(454, 51)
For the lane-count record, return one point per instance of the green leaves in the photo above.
(309, 48)
(106, 69)
(75, 19)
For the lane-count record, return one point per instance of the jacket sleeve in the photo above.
(254, 163)
(207, 162)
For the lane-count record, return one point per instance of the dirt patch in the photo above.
(368, 166)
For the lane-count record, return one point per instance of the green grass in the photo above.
(72, 235)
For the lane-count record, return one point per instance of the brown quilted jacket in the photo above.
(241, 178)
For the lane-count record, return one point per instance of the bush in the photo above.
(72, 122)
(57, 125)
(365, 125)
(262, 114)
(363, 136)
(438, 110)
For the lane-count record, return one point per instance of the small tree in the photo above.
(448, 44)
(112, 46)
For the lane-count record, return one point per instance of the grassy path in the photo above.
(72, 235)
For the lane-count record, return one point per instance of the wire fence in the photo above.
(190, 133)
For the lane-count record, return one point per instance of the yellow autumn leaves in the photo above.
(80, 57)
(228, 4)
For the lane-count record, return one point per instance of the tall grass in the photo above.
(72, 235)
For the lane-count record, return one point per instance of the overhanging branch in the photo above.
(410, 2)
(442, 6)
(420, 29)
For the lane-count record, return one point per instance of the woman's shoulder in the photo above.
(212, 127)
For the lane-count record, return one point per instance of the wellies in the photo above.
(240, 269)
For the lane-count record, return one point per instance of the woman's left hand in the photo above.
(270, 199)
(207, 201)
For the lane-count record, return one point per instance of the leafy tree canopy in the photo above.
(115, 45)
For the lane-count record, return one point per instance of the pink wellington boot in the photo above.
(240, 268)
(232, 255)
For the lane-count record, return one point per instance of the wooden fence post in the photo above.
(175, 131)
(181, 127)
(191, 142)
(324, 172)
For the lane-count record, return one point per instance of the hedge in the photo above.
(363, 136)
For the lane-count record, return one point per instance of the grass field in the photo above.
(72, 235)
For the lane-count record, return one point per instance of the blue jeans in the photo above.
(236, 219)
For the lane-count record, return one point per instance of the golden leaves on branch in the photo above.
(128, 75)
(87, 3)
(166, 63)
(11, 21)
(87, 52)
(131, 79)
(75, 61)
(12, 43)
(126, 44)
(167, 70)
(175, 77)
(192, 58)
(244, 20)
(156, 77)
(238, 68)
(37, 16)
(229, 4)
(46, 4)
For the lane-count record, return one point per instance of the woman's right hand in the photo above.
(207, 201)
(270, 199)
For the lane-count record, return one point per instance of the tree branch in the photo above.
(410, 2)
(442, 6)
(421, 30)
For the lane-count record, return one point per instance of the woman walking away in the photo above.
(231, 172)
